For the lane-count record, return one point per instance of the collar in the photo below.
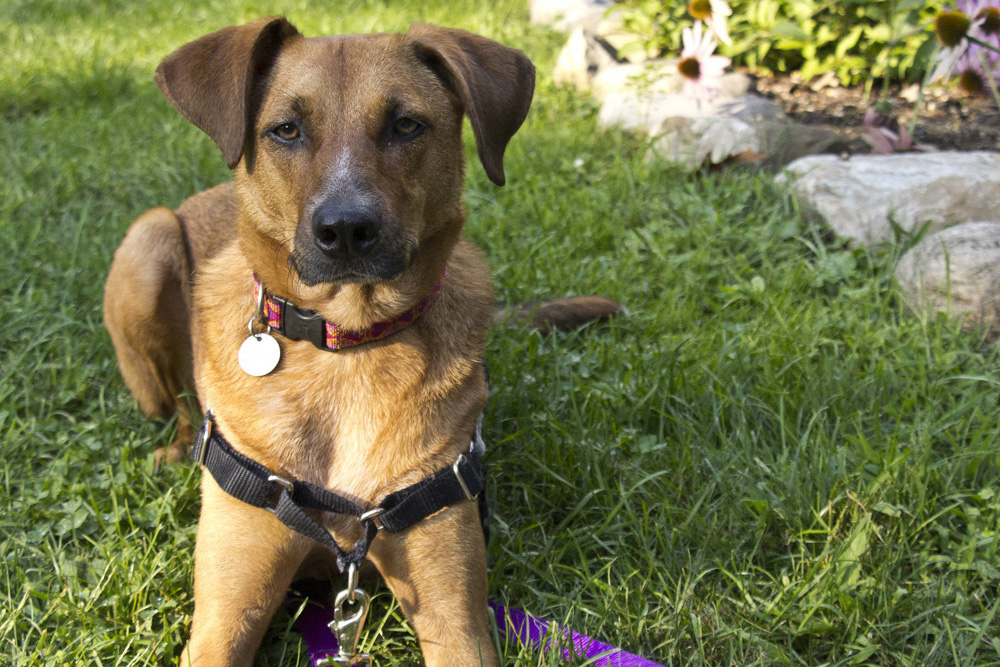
(297, 323)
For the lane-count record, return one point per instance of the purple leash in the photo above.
(532, 631)
(314, 619)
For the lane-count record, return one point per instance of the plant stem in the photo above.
(918, 105)
(985, 45)
(992, 82)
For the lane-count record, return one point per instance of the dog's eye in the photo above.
(286, 131)
(406, 127)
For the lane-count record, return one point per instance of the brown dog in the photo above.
(348, 162)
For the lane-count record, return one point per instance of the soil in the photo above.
(949, 118)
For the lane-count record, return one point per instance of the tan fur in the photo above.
(362, 422)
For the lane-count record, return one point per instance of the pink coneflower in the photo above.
(714, 14)
(971, 35)
(701, 70)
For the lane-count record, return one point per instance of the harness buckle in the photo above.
(285, 486)
(461, 480)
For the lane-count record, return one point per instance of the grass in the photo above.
(768, 462)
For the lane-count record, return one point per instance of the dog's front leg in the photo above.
(244, 562)
(437, 571)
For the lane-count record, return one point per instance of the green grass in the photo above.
(768, 462)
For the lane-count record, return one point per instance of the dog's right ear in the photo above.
(211, 80)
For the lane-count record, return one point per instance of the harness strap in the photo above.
(249, 481)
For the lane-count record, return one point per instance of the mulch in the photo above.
(949, 120)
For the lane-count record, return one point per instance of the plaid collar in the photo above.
(296, 323)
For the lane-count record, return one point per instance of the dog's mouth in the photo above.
(314, 268)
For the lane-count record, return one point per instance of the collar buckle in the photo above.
(300, 324)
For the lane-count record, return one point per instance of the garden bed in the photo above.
(950, 119)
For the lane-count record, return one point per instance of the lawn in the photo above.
(767, 462)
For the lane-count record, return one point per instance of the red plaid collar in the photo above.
(295, 323)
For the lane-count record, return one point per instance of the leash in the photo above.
(314, 620)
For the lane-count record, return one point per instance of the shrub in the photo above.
(856, 40)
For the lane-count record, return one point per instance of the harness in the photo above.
(293, 502)
(253, 483)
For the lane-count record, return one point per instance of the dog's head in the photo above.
(348, 150)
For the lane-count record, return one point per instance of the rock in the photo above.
(858, 197)
(581, 59)
(956, 271)
(628, 45)
(568, 14)
(643, 96)
(637, 83)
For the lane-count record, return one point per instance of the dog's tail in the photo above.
(557, 314)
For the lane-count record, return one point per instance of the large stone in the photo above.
(641, 97)
(638, 84)
(628, 45)
(568, 14)
(956, 271)
(581, 59)
(861, 197)
(695, 136)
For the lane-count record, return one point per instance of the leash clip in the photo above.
(348, 628)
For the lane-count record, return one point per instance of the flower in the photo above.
(947, 59)
(701, 70)
(951, 28)
(885, 135)
(970, 43)
(713, 13)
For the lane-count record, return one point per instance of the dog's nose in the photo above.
(344, 231)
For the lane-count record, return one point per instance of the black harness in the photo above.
(249, 481)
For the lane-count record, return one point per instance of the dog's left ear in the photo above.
(493, 82)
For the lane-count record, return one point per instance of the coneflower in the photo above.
(714, 13)
(702, 71)
(951, 28)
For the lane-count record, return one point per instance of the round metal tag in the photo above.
(259, 354)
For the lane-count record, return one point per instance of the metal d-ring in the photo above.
(259, 315)
(255, 318)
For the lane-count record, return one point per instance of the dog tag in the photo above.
(259, 354)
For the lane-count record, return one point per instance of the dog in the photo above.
(346, 212)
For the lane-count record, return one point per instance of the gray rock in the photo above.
(637, 84)
(627, 44)
(568, 14)
(728, 127)
(643, 96)
(858, 197)
(582, 58)
(956, 271)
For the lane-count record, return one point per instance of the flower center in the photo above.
(971, 82)
(951, 27)
(689, 68)
(700, 9)
(991, 20)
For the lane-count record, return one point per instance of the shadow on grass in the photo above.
(38, 92)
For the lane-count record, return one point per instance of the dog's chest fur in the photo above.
(409, 402)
